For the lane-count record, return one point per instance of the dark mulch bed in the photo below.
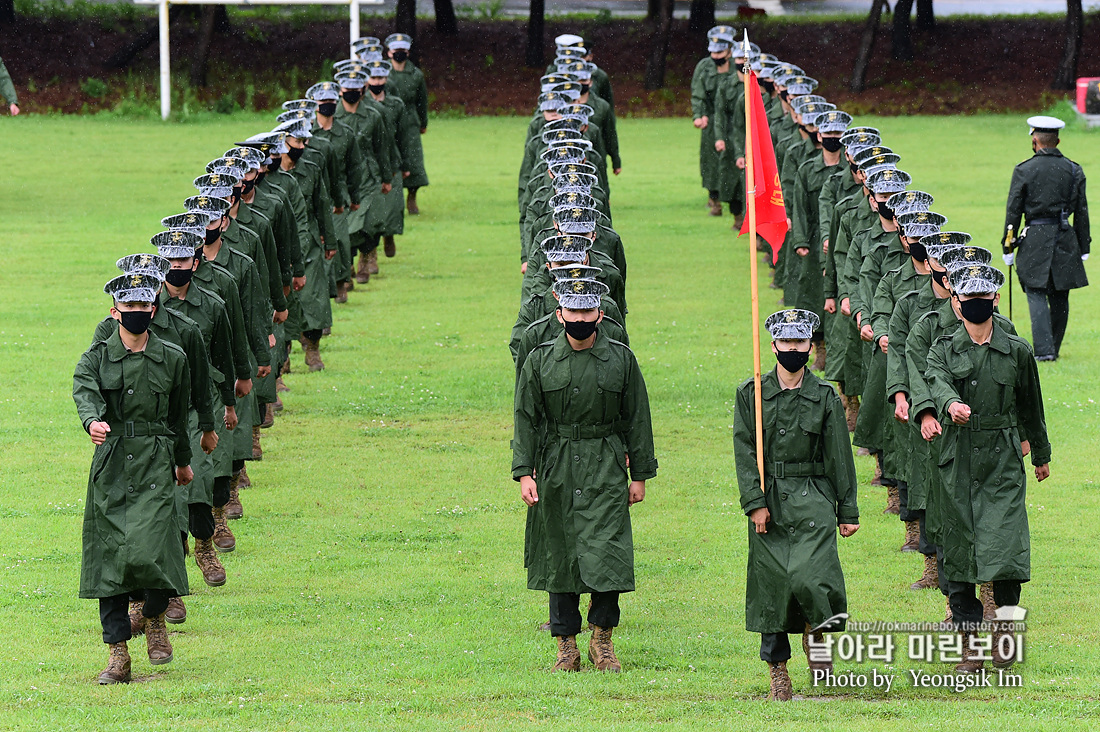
(965, 66)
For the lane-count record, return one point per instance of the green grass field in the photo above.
(378, 580)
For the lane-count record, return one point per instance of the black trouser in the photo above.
(713, 195)
(114, 612)
(881, 468)
(926, 547)
(939, 570)
(1049, 317)
(314, 334)
(966, 609)
(775, 647)
(565, 615)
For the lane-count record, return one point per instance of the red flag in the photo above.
(771, 215)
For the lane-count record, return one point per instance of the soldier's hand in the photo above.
(740, 163)
(1009, 258)
(98, 432)
(929, 427)
(830, 305)
(230, 418)
(846, 307)
(760, 518)
(720, 145)
(280, 316)
(960, 413)
(847, 530)
(802, 251)
(184, 475)
(636, 494)
(884, 344)
(262, 372)
(355, 207)
(867, 333)
(271, 341)
(825, 246)
(406, 173)
(242, 387)
(14, 109)
(338, 209)
(528, 490)
(616, 171)
(901, 408)
(1025, 447)
(523, 268)
(423, 130)
(298, 283)
(701, 123)
(386, 188)
(286, 291)
(209, 442)
(1042, 472)
(330, 253)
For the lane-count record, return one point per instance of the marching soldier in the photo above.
(7, 90)
(794, 582)
(131, 393)
(704, 87)
(582, 453)
(386, 218)
(985, 385)
(1047, 190)
(406, 81)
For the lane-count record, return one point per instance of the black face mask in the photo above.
(376, 88)
(976, 311)
(784, 95)
(803, 128)
(719, 61)
(236, 195)
(832, 144)
(884, 211)
(178, 277)
(296, 153)
(918, 251)
(769, 86)
(326, 109)
(793, 361)
(259, 177)
(275, 163)
(853, 167)
(248, 185)
(940, 276)
(212, 235)
(135, 322)
(352, 96)
(585, 88)
(401, 56)
(580, 330)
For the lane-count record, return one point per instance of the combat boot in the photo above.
(257, 451)
(972, 662)
(989, 605)
(213, 573)
(410, 203)
(280, 386)
(118, 665)
(569, 657)
(1004, 654)
(715, 206)
(157, 644)
(176, 612)
(851, 412)
(912, 537)
(362, 275)
(819, 357)
(269, 416)
(601, 651)
(389, 245)
(341, 292)
(372, 261)
(781, 687)
(224, 541)
(877, 480)
(948, 615)
(931, 577)
(233, 508)
(312, 349)
(243, 481)
(137, 620)
(818, 639)
(893, 499)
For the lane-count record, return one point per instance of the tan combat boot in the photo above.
(851, 412)
(781, 687)
(971, 662)
(893, 498)
(569, 657)
(931, 577)
(233, 508)
(818, 639)
(389, 245)
(819, 357)
(410, 203)
(137, 620)
(257, 451)
(224, 541)
(278, 405)
(176, 612)
(372, 261)
(714, 206)
(601, 651)
(118, 665)
(989, 605)
(280, 385)
(269, 416)
(362, 274)
(341, 292)
(157, 644)
(213, 573)
(1004, 654)
(948, 615)
(912, 536)
(243, 481)
(877, 480)
(312, 350)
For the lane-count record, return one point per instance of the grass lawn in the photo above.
(378, 579)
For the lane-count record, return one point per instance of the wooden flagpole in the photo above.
(750, 202)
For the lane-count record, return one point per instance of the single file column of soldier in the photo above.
(251, 264)
(583, 447)
(895, 308)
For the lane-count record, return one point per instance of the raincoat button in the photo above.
(782, 432)
(804, 492)
(811, 524)
(578, 491)
(576, 390)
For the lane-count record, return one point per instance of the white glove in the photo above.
(1009, 258)
(1084, 257)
